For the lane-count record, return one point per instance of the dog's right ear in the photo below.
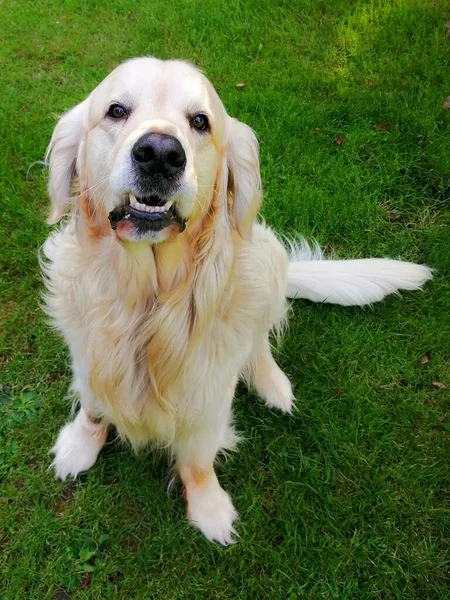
(244, 177)
(62, 154)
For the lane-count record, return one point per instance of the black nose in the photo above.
(159, 154)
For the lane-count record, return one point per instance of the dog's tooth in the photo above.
(148, 207)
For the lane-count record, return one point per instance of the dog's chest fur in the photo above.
(153, 360)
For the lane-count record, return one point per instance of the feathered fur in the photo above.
(348, 282)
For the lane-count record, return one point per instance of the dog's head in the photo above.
(151, 146)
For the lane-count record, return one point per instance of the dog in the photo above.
(162, 283)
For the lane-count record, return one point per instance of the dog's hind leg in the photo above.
(80, 441)
(270, 382)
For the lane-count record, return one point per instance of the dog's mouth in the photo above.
(146, 213)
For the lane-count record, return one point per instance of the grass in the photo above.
(347, 499)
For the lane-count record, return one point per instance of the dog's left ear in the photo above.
(62, 155)
(244, 180)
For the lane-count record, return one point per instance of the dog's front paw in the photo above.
(77, 447)
(212, 511)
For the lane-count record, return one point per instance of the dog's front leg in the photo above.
(209, 507)
(80, 441)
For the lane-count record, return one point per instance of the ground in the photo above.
(347, 498)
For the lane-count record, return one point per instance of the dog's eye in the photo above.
(200, 122)
(116, 111)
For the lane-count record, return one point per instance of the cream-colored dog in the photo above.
(162, 284)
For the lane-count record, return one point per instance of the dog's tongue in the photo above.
(147, 216)
(124, 213)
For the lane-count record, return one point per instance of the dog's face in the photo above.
(155, 133)
(151, 145)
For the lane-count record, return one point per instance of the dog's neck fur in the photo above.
(174, 261)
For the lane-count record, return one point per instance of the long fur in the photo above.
(349, 282)
(160, 333)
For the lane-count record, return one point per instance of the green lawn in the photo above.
(348, 498)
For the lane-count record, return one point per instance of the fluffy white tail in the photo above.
(349, 282)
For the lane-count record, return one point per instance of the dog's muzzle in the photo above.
(158, 163)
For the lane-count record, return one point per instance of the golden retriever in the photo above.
(161, 282)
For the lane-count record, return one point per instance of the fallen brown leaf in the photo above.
(240, 85)
(339, 392)
(381, 128)
(447, 24)
(440, 386)
(446, 101)
(425, 358)
(339, 140)
(86, 581)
